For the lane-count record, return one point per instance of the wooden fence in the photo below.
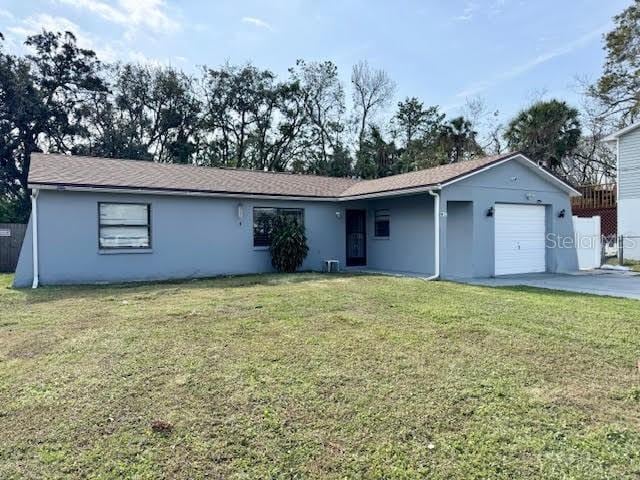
(11, 236)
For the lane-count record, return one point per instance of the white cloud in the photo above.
(139, 57)
(497, 7)
(257, 23)
(37, 23)
(6, 14)
(518, 70)
(151, 14)
(468, 12)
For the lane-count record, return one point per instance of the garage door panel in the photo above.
(519, 239)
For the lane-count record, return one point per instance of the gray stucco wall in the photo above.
(509, 183)
(409, 247)
(191, 237)
(459, 225)
(24, 269)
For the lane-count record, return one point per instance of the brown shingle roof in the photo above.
(93, 172)
(422, 178)
(66, 170)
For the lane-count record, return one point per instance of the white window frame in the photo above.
(124, 247)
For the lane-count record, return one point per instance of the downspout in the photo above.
(436, 238)
(34, 236)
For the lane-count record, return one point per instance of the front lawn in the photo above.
(311, 376)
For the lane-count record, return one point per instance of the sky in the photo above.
(445, 52)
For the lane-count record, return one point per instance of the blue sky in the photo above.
(504, 51)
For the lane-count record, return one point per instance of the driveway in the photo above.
(596, 282)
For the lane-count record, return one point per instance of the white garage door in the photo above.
(519, 238)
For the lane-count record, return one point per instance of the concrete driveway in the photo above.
(596, 282)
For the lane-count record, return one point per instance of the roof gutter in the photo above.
(34, 237)
(436, 236)
(192, 193)
(178, 193)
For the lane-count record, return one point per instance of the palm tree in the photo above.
(547, 132)
(458, 140)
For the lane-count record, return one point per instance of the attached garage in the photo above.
(519, 239)
(511, 218)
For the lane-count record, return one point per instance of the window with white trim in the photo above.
(381, 229)
(124, 225)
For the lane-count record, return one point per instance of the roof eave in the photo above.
(616, 135)
(533, 165)
(390, 193)
(173, 192)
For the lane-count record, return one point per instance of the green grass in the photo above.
(310, 376)
(633, 264)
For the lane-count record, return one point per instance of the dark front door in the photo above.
(356, 221)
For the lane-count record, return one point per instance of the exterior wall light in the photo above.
(240, 213)
(490, 212)
(338, 214)
(562, 213)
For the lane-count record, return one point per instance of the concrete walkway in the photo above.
(596, 282)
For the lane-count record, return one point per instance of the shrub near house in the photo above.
(288, 244)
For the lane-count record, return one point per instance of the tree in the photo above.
(65, 76)
(593, 161)
(277, 141)
(324, 104)
(340, 162)
(151, 113)
(618, 89)
(417, 130)
(376, 158)
(20, 106)
(412, 121)
(250, 120)
(372, 90)
(487, 121)
(44, 104)
(234, 102)
(458, 141)
(547, 132)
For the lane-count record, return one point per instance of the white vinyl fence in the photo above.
(588, 242)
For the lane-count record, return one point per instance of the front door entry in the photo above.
(356, 223)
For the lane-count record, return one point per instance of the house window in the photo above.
(263, 222)
(382, 224)
(124, 225)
